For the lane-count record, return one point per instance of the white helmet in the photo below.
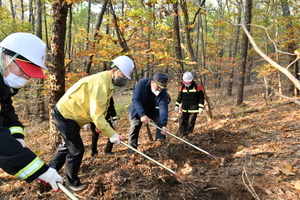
(125, 64)
(27, 45)
(187, 77)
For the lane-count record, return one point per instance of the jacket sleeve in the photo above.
(201, 96)
(163, 108)
(11, 121)
(137, 98)
(179, 96)
(112, 110)
(18, 161)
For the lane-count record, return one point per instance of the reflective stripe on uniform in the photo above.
(16, 129)
(30, 169)
(190, 111)
(114, 118)
(191, 90)
(201, 105)
(177, 104)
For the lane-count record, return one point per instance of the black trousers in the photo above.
(70, 151)
(187, 123)
(95, 137)
(136, 124)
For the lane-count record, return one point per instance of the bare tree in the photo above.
(178, 50)
(233, 57)
(87, 29)
(291, 46)
(244, 53)
(22, 10)
(13, 14)
(96, 34)
(31, 15)
(57, 68)
(41, 100)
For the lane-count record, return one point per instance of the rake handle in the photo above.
(181, 139)
(134, 149)
(66, 191)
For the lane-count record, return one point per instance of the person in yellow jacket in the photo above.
(86, 101)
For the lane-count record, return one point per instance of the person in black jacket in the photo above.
(111, 118)
(191, 98)
(149, 101)
(22, 58)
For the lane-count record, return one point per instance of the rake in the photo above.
(184, 179)
(67, 192)
(178, 138)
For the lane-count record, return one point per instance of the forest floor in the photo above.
(256, 157)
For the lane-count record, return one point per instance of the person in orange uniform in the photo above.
(191, 98)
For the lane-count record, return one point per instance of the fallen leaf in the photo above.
(284, 128)
(287, 171)
(297, 185)
(240, 148)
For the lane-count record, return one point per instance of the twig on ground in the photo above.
(250, 187)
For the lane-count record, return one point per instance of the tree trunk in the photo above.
(291, 43)
(12, 10)
(68, 68)
(233, 57)
(57, 68)
(177, 46)
(120, 36)
(31, 15)
(87, 30)
(22, 10)
(40, 102)
(46, 28)
(242, 65)
(96, 33)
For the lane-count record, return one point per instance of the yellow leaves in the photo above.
(191, 26)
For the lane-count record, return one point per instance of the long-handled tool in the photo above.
(184, 179)
(66, 191)
(210, 155)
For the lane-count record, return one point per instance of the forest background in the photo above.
(228, 45)
(224, 43)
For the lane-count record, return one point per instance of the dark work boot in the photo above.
(94, 152)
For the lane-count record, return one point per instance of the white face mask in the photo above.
(155, 92)
(187, 85)
(14, 81)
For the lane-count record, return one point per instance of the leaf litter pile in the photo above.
(257, 157)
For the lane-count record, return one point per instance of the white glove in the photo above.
(176, 108)
(115, 139)
(114, 123)
(51, 177)
(23, 143)
(200, 110)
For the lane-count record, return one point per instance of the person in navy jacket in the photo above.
(149, 101)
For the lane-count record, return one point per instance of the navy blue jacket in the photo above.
(139, 98)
